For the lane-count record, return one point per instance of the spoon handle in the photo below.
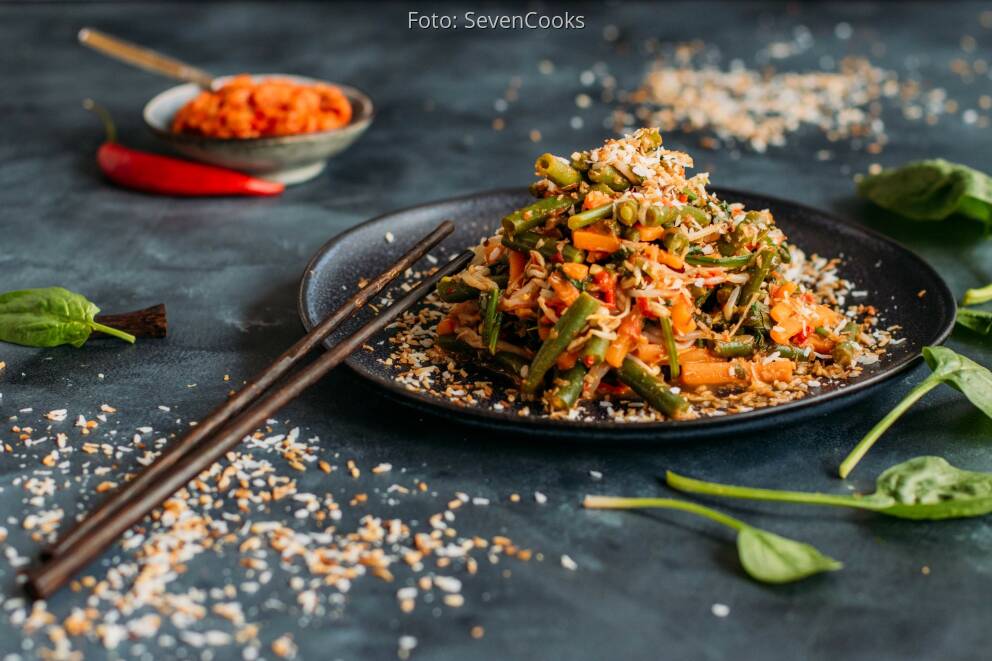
(144, 58)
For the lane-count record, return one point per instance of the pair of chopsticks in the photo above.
(227, 425)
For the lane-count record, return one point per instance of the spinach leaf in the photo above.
(921, 488)
(979, 295)
(49, 317)
(947, 366)
(931, 190)
(979, 321)
(765, 556)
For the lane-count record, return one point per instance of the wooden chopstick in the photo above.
(155, 484)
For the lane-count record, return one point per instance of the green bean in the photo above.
(631, 234)
(568, 387)
(800, 355)
(491, 318)
(580, 161)
(659, 215)
(759, 271)
(784, 254)
(821, 331)
(677, 243)
(670, 347)
(697, 214)
(845, 353)
(757, 319)
(609, 175)
(741, 346)
(594, 350)
(569, 325)
(527, 241)
(506, 363)
(535, 214)
(590, 216)
(653, 390)
(454, 290)
(735, 262)
(626, 212)
(557, 170)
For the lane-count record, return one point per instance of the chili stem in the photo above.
(689, 485)
(614, 503)
(876, 432)
(104, 115)
(127, 337)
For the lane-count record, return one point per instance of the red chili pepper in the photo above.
(802, 335)
(152, 173)
(643, 306)
(606, 281)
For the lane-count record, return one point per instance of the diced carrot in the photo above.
(673, 261)
(783, 290)
(587, 240)
(783, 331)
(628, 333)
(819, 344)
(565, 290)
(595, 199)
(697, 355)
(575, 271)
(652, 354)
(543, 331)
(824, 316)
(709, 374)
(682, 316)
(518, 262)
(650, 251)
(777, 370)
(782, 311)
(446, 327)
(567, 359)
(650, 232)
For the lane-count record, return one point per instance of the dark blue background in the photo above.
(228, 271)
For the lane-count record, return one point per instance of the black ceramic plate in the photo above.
(892, 275)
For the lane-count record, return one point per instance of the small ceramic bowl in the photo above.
(291, 159)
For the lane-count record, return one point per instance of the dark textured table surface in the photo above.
(228, 271)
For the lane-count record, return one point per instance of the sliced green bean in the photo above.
(594, 350)
(580, 161)
(491, 318)
(798, 354)
(735, 262)
(670, 347)
(452, 289)
(590, 216)
(609, 175)
(547, 246)
(557, 170)
(677, 243)
(741, 346)
(626, 212)
(845, 353)
(569, 325)
(568, 387)
(659, 215)
(535, 214)
(652, 389)
(759, 272)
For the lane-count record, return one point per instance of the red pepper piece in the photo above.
(606, 282)
(152, 173)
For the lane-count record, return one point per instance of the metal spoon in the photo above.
(144, 58)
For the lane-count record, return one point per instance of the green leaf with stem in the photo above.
(765, 556)
(979, 321)
(921, 488)
(49, 317)
(979, 295)
(957, 371)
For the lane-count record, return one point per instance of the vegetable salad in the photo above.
(626, 278)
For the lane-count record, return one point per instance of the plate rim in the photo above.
(787, 411)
